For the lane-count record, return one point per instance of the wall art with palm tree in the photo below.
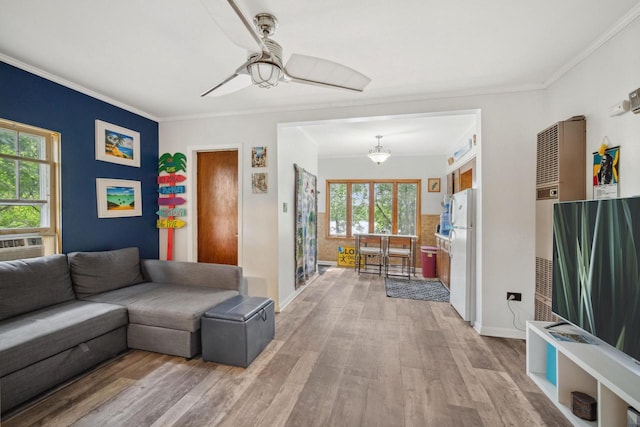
(116, 144)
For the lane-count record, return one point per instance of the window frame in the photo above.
(371, 182)
(52, 159)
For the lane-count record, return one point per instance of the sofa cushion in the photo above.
(96, 272)
(164, 305)
(34, 336)
(30, 284)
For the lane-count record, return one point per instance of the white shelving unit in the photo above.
(591, 369)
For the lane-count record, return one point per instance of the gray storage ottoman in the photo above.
(234, 332)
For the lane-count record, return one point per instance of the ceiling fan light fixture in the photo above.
(378, 154)
(265, 74)
(267, 70)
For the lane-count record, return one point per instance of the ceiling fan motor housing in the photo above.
(266, 24)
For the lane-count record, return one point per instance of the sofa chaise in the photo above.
(63, 314)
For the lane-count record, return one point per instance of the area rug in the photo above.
(426, 290)
(322, 268)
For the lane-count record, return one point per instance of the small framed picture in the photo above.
(259, 157)
(433, 185)
(118, 198)
(116, 144)
(259, 183)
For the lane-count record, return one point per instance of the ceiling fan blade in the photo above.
(234, 23)
(238, 80)
(232, 84)
(321, 72)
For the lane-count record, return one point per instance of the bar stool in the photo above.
(369, 247)
(399, 247)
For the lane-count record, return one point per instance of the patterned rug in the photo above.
(426, 290)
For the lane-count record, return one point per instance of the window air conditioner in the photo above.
(13, 247)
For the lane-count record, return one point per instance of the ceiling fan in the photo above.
(264, 67)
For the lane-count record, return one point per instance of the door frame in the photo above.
(192, 184)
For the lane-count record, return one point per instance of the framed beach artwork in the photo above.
(118, 198)
(116, 144)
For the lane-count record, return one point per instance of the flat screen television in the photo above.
(596, 269)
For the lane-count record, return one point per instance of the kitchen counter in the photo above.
(443, 264)
(443, 236)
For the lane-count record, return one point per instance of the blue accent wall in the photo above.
(35, 101)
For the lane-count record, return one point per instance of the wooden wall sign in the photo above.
(168, 166)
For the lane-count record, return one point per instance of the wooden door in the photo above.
(218, 207)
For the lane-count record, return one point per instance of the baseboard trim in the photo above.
(293, 296)
(499, 332)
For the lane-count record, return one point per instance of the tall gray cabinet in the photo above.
(561, 160)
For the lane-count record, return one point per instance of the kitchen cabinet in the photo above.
(461, 178)
(443, 264)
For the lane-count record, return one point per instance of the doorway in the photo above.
(217, 206)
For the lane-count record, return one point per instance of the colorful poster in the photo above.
(606, 166)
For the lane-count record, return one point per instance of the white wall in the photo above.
(600, 81)
(293, 148)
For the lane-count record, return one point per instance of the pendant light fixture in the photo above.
(378, 154)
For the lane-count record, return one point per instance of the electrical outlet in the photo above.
(514, 296)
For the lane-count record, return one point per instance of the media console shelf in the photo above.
(587, 368)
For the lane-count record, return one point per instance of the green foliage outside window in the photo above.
(383, 213)
(22, 191)
(394, 205)
(338, 209)
(407, 208)
(359, 208)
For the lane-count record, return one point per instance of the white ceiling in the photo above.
(157, 56)
(405, 135)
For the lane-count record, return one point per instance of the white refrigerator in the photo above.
(462, 254)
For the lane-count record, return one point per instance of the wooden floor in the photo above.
(344, 355)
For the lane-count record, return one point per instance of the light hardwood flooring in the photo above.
(344, 355)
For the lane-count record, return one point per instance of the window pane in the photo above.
(8, 179)
(338, 209)
(20, 216)
(407, 209)
(359, 208)
(26, 184)
(8, 141)
(32, 146)
(383, 216)
(33, 178)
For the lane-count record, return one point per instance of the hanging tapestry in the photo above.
(306, 225)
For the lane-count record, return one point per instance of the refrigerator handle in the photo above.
(452, 210)
(451, 239)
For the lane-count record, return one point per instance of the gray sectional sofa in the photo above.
(63, 314)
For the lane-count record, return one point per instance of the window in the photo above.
(28, 180)
(373, 206)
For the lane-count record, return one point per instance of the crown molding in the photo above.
(74, 86)
(620, 25)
